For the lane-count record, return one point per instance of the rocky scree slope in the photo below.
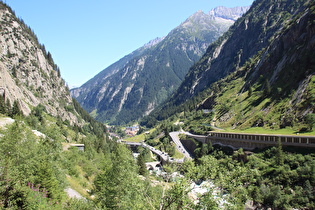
(149, 77)
(267, 54)
(28, 74)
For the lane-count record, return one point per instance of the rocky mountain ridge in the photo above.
(28, 73)
(228, 14)
(146, 78)
(249, 35)
(267, 55)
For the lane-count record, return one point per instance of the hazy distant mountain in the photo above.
(136, 84)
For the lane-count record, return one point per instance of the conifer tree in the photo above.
(58, 72)
(16, 110)
(310, 120)
(8, 107)
(250, 91)
(141, 164)
(280, 155)
(267, 89)
(2, 105)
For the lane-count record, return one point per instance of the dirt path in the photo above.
(73, 194)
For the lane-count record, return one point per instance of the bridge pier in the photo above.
(189, 145)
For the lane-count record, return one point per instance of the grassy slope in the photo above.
(259, 130)
(254, 113)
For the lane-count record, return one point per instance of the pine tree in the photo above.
(2, 105)
(310, 120)
(8, 107)
(250, 91)
(280, 154)
(58, 72)
(267, 89)
(141, 164)
(16, 110)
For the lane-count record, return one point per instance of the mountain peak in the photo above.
(199, 12)
(219, 13)
(196, 16)
(228, 13)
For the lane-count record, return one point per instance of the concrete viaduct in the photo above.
(252, 141)
(236, 141)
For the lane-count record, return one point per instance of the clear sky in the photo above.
(84, 37)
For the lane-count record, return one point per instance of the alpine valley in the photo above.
(133, 86)
(226, 110)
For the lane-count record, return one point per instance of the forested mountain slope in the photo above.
(259, 73)
(146, 80)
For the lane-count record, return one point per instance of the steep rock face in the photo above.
(288, 63)
(260, 73)
(28, 74)
(150, 76)
(281, 78)
(288, 66)
(249, 35)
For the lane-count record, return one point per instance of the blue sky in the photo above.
(84, 37)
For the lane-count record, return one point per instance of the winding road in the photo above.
(179, 145)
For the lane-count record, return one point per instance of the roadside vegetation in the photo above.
(35, 170)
